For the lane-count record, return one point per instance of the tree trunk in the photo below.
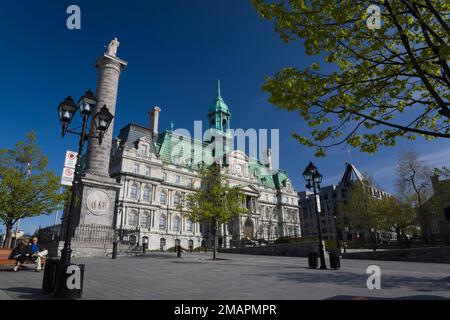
(214, 239)
(8, 240)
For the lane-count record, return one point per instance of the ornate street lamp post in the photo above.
(102, 120)
(313, 180)
(338, 245)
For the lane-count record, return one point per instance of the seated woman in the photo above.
(21, 254)
(37, 253)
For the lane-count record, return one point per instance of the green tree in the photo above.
(215, 202)
(27, 187)
(399, 214)
(368, 87)
(362, 210)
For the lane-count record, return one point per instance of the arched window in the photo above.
(176, 199)
(224, 123)
(162, 222)
(163, 197)
(134, 191)
(132, 218)
(145, 220)
(147, 193)
(177, 224)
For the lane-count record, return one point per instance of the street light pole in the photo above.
(338, 245)
(319, 227)
(102, 120)
(313, 179)
(66, 252)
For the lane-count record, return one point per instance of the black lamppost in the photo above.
(102, 120)
(374, 239)
(313, 180)
(338, 245)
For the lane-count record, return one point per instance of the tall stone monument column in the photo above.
(109, 69)
(93, 219)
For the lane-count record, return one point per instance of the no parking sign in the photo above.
(69, 168)
(71, 159)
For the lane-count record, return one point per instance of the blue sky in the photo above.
(176, 50)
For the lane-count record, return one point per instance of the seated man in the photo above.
(37, 253)
(21, 253)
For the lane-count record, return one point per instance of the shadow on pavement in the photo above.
(359, 281)
(28, 293)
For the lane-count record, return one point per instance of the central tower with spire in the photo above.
(219, 115)
(219, 118)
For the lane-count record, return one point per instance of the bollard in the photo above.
(313, 260)
(50, 274)
(114, 252)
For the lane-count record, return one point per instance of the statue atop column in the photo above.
(112, 47)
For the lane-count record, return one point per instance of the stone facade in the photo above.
(156, 171)
(435, 215)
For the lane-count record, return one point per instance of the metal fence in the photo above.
(50, 234)
(93, 233)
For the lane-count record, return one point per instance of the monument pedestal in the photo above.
(93, 220)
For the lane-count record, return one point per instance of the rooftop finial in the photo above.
(218, 88)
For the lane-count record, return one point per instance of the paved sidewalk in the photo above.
(237, 277)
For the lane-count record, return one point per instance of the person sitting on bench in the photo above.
(21, 253)
(37, 253)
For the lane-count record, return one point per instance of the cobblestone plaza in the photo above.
(237, 277)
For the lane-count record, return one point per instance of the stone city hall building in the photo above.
(156, 175)
(136, 181)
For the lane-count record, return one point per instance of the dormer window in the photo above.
(144, 150)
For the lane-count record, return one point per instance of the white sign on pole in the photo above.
(71, 159)
(67, 177)
(319, 207)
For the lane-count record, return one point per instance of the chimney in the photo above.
(269, 159)
(154, 121)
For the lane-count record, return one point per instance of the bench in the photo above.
(5, 261)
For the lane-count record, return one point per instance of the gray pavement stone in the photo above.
(237, 277)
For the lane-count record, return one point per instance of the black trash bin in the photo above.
(335, 262)
(50, 274)
(313, 260)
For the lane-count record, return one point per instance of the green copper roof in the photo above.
(219, 104)
(179, 150)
